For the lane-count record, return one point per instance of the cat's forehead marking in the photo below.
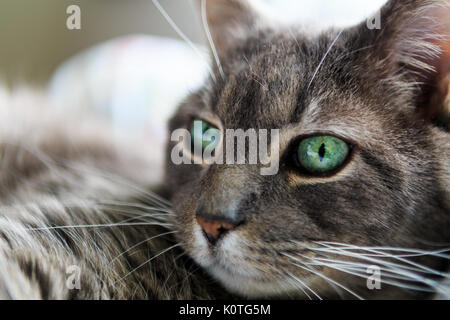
(262, 90)
(268, 87)
(269, 81)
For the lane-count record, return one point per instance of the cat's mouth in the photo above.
(227, 262)
(226, 255)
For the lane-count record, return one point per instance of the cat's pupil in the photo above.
(322, 151)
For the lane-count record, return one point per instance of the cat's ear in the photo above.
(228, 20)
(412, 40)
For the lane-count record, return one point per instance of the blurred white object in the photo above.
(136, 82)
(323, 13)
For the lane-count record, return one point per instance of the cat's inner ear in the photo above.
(228, 20)
(434, 97)
(437, 99)
(414, 41)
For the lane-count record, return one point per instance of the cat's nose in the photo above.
(215, 227)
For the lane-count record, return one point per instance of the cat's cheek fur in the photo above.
(359, 85)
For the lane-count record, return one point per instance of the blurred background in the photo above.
(34, 39)
(126, 63)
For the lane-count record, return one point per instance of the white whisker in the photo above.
(210, 39)
(303, 284)
(141, 242)
(181, 34)
(418, 267)
(355, 265)
(312, 270)
(137, 205)
(323, 59)
(147, 261)
(408, 272)
(383, 280)
(107, 225)
(415, 252)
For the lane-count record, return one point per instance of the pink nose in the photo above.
(214, 229)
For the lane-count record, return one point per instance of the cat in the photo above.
(362, 189)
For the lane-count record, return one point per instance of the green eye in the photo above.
(322, 154)
(204, 134)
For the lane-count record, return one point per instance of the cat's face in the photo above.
(389, 188)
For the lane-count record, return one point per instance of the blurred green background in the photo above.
(34, 38)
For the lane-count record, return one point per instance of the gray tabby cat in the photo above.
(372, 102)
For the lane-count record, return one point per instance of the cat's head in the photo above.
(363, 156)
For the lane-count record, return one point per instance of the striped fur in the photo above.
(75, 201)
(74, 205)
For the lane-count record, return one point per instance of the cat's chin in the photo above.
(247, 286)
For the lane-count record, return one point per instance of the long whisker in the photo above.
(181, 34)
(364, 275)
(141, 242)
(149, 260)
(391, 270)
(137, 205)
(414, 252)
(374, 260)
(106, 225)
(312, 270)
(145, 216)
(355, 265)
(420, 267)
(388, 273)
(136, 213)
(323, 59)
(210, 39)
(303, 284)
(93, 204)
(296, 284)
(352, 268)
(400, 269)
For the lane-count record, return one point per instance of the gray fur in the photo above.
(372, 88)
(65, 197)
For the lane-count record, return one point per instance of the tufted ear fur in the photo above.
(229, 21)
(413, 45)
